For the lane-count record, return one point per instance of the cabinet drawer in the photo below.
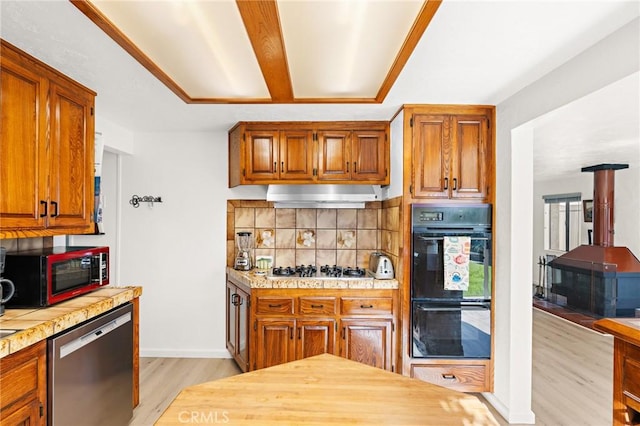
(318, 305)
(467, 378)
(274, 305)
(366, 306)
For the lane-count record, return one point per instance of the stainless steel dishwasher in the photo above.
(90, 372)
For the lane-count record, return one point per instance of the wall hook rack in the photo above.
(136, 200)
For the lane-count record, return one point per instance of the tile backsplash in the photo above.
(310, 236)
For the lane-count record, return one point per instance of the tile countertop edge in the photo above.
(252, 280)
(38, 324)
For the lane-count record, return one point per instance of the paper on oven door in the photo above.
(456, 263)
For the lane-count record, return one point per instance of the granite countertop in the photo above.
(36, 324)
(254, 280)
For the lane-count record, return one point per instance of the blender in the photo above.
(243, 259)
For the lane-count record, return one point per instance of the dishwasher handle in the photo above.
(94, 335)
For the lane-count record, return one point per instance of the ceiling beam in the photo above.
(262, 23)
(125, 42)
(421, 23)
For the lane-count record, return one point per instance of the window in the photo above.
(562, 220)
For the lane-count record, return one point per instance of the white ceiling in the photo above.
(475, 52)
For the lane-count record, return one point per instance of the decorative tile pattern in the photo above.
(305, 239)
(265, 238)
(347, 239)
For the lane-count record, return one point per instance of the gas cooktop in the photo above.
(311, 271)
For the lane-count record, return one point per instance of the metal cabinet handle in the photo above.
(55, 209)
(347, 167)
(275, 306)
(317, 306)
(355, 167)
(46, 208)
(282, 167)
(448, 376)
(366, 306)
(446, 183)
(234, 299)
(455, 184)
(240, 300)
(291, 333)
(275, 167)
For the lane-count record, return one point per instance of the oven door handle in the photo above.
(457, 308)
(442, 238)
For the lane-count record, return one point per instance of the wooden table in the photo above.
(626, 367)
(324, 390)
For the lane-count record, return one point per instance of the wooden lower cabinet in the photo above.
(23, 386)
(237, 326)
(368, 341)
(461, 377)
(291, 324)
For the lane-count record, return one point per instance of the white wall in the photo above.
(176, 249)
(610, 60)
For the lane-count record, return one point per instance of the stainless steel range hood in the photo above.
(328, 196)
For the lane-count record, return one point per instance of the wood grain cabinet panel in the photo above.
(309, 153)
(451, 156)
(23, 386)
(47, 150)
(466, 378)
(367, 341)
(290, 324)
(237, 329)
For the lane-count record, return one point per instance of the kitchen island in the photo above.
(324, 390)
(272, 321)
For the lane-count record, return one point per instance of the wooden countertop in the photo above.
(627, 329)
(36, 324)
(324, 390)
(253, 280)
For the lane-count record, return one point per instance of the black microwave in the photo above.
(43, 277)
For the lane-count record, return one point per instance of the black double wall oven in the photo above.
(451, 322)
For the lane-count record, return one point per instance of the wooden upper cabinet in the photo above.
(72, 157)
(23, 146)
(46, 148)
(309, 152)
(368, 153)
(296, 155)
(261, 155)
(334, 155)
(450, 156)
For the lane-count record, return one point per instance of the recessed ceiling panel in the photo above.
(201, 45)
(343, 49)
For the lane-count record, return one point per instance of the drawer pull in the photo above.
(317, 306)
(275, 306)
(448, 376)
(632, 396)
(366, 306)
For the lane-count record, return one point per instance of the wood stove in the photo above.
(600, 279)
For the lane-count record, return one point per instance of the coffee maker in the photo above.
(243, 260)
(6, 286)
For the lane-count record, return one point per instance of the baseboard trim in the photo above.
(181, 353)
(525, 418)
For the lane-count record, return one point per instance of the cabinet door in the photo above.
(27, 415)
(23, 144)
(430, 162)
(368, 154)
(242, 343)
(334, 155)
(296, 155)
(71, 156)
(261, 155)
(275, 342)
(232, 319)
(315, 337)
(367, 341)
(469, 156)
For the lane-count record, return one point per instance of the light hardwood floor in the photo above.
(572, 376)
